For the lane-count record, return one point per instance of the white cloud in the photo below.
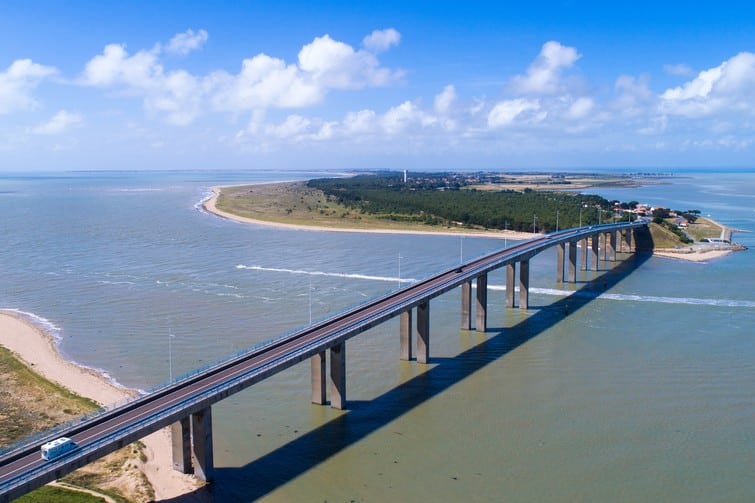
(580, 108)
(59, 123)
(506, 112)
(381, 40)
(360, 122)
(726, 88)
(184, 43)
(336, 65)
(323, 64)
(17, 82)
(445, 99)
(115, 67)
(544, 74)
(294, 125)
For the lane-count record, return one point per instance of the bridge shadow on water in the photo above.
(265, 474)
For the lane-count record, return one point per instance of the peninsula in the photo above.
(511, 206)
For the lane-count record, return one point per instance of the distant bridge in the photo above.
(185, 405)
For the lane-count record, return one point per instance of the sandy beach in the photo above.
(37, 349)
(210, 206)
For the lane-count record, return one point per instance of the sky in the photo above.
(376, 85)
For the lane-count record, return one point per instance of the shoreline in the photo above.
(37, 349)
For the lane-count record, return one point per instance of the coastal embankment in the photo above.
(37, 349)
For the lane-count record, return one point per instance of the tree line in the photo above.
(448, 199)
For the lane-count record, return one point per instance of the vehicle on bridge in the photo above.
(58, 447)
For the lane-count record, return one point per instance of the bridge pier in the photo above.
(612, 246)
(318, 378)
(510, 277)
(423, 332)
(201, 432)
(466, 306)
(482, 303)
(560, 252)
(181, 443)
(524, 284)
(405, 332)
(584, 253)
(628, 238)
(338, 376)
(191, 439)
(572, 262)
(594, 244)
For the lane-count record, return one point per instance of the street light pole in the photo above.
(170, 355)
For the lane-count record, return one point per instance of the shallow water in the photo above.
(644, 392)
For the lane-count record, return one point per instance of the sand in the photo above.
(37, 349)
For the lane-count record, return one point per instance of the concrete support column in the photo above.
(406, 335)
(602, 246)
(180, 433)
(584, 254)
(560, 252)
(510, 280)
(482, 303)
(612, 246)
(423, 333)
(466, 306)
(524, 284)
(628, 238)
(201, 433)
(318, 378)
(594, 251)
(573, 262)
(338, 376)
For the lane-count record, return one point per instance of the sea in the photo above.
(637, 383)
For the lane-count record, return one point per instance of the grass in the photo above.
(48, 494)
(30, 403)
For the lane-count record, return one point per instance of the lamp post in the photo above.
(556, 220)
(170, 355)
(399, 270)
(310, 301)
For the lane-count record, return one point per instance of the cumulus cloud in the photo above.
(728, 87)
(506, 112)
(336, 65)
(184, 43)
(381, 40)
(17, 82)
(59, 123)
(544, 74)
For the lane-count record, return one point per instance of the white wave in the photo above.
(328, 274)
(541, 291)
(104, 282)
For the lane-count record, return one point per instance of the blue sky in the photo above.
(398, 85)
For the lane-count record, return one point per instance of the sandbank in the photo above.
(692, 256)
(210, 206)
(37, 349)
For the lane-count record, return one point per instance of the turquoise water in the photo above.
(644, 392)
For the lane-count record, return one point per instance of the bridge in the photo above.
(186, 405)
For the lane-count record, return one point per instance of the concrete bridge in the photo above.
(186, 405)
